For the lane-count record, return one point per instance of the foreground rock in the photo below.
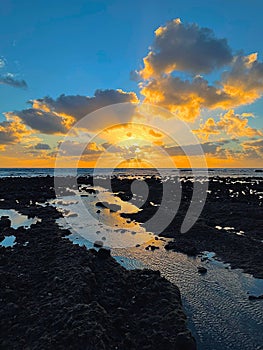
(56, 295)
(255, 297)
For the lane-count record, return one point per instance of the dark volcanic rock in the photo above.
(201, 269)
(89, 190)
(98, 244)
(56, 295)
(185, 341)
(5, 222)
(151, 247)
(182, 246)
(112, 207)
(254, 297)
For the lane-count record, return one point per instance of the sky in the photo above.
(197, 65)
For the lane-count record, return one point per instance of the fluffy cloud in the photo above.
(41, 121)
(10, 80)
(185, 47)
(12, 133)
(79, 106)
(230, 123)
(243, 83)
(49, 116)
(185, 98)
(254, 148)
(191, 50)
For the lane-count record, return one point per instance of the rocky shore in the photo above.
(230, 225)
(56, 295)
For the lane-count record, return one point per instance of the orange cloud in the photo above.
(188, 48)
(155, 133)
(12, 132)
(243, 83)
(185, 98)
(253, 149)
(230, 123)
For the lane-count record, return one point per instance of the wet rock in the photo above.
(185, 341)
(204, 258)
(152, 247)
(101, 204)
(254, 297)
(89, 190)
(112, 207)
(11, 309)
(5, 222)
(103, 253)
(202, 269)
(182, 246)
(98, 244)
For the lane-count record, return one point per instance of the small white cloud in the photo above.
(2, 62)
(8, 79)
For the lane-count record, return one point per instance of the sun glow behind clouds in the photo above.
(154, 138)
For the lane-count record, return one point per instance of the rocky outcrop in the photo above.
(56, 295)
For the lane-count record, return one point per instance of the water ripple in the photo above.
(219, 312)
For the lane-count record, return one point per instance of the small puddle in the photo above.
(8, 241)
(17, 219)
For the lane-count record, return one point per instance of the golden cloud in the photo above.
(253, 148)
(12, 132)
(194, 50)
(230, 123)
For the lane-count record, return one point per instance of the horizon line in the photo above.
(188, 168)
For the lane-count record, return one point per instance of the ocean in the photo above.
(225, 172)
